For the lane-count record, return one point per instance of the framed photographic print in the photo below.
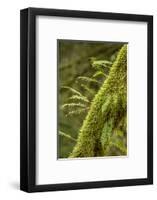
(86, 99)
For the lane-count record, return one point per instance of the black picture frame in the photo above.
(28, 99)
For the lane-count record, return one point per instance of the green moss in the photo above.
(109, 106)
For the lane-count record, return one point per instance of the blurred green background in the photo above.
(75, 59)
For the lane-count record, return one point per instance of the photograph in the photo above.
(92, 99)
(86, 99)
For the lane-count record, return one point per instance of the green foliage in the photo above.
(99, 74)
(105, 107)
(83, 69)
(71, 105)
(107, 111)
(88, 80)
(74, 91)
(106, 134)
(78, 103)
(88, 89)
(79, 98)
(67, 136)
(100, 64)
(77, 112)
(75, 108)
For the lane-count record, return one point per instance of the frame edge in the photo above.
(24, 176)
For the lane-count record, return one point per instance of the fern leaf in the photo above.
(106, 133)
(73, 105)
(87, 79)
(87, 89)
(106, 105)
(97, 64)
(77, 112)
(99, 73)
(81, 98)
(74, 91)
(67, 136)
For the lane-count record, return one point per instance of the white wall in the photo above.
(9, 98)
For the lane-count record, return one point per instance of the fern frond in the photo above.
(106, 133)
(106, 106)
(97, 64)
(99, 73)
(67, 136)
(77, 112)
(74, 91)
(87, 89)
(87, 79)
(73, 105)
(81, 98)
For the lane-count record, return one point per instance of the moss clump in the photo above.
(105, 124)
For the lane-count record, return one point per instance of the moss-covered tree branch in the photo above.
(106, 117)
